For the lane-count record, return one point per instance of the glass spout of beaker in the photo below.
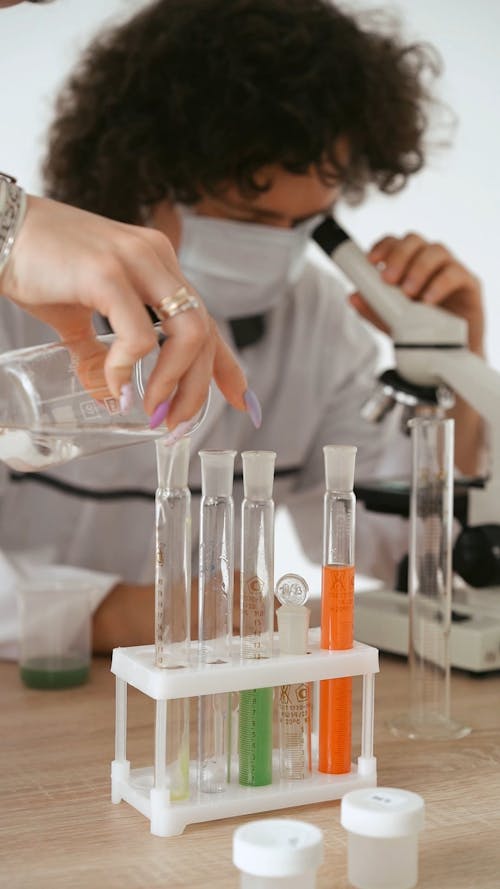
(55, 404)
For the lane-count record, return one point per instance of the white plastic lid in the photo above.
(258, 474)
(277, 847)
(217, 469)
(173, 463)
(339, 467)
(382, 812)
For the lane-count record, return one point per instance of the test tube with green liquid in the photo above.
(257, 614)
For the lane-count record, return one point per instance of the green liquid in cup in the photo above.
(54, 672)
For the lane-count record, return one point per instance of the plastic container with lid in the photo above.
(278, 853)
(383, 825)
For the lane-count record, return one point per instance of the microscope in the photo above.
(432, 362)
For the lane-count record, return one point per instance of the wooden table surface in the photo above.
(58, 828)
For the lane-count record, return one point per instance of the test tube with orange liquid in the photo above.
(337, 606)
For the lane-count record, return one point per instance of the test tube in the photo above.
(430, 583)
(337, 606)
(216, 581)
(257, 614)
(294, 699)
(172, 611)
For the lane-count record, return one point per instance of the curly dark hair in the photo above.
(191, 94)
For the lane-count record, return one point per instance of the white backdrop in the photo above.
(455, 200)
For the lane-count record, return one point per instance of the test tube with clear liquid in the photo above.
(337, 606)
(430, 583)
(294, 698)
(257, 614)
(172, 612)
(216, 581)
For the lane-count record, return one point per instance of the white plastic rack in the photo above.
(135, 666)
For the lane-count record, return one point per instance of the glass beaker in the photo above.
(430, 583)
(55, 404)
(55, 617)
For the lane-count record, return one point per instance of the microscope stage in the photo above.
(381, 619)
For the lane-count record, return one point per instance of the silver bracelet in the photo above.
(12, 210)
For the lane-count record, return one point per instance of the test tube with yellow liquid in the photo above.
(337, 606)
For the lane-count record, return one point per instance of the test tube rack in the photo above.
(135, 666)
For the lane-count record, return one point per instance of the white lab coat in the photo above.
(312, 371)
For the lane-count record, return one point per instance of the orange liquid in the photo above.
(335, 695)
(337, 606)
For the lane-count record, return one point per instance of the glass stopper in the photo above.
(292, 589)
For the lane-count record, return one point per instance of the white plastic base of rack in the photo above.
(135, 666)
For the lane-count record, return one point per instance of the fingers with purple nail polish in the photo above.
(159, 414)
(126, 397)
(254, 409)
(179, 432)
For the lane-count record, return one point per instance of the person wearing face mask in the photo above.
(234, 128)
(222, 256)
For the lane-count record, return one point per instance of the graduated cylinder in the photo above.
(430, 583)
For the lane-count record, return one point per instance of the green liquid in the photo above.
(256, 737)
(54, 672)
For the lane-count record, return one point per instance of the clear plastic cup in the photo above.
(55, 619)
(55, 404)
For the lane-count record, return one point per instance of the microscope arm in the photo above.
(409, 322)
(431, 349)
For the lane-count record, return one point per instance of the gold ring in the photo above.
(170, 306)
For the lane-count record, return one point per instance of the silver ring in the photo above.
(170, 306)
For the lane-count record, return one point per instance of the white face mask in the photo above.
(240, 268)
